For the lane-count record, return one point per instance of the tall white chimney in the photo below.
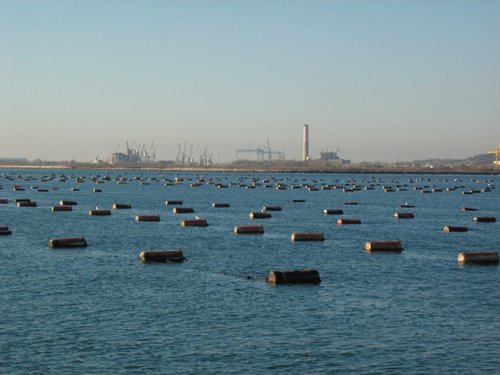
(305, 143)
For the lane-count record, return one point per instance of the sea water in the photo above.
(99, 310)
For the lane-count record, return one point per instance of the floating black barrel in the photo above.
(121, 206)
(220, 205)
(303, 276)
(485, 257)
(61, 208)
(307, 236)
(5, 230)
(19, 200)
(259, 215)
(162, 256)
(147, 218)
(67, 203)
(173, 203)
(342, 221)
(182, 210)
(99, 212)
(56, 243)
(404, 215)
(4, 200)
(97, 190)
(27, 204)
(298, 200)
(406, 205)
(194, 223)
(469, 209)
(484, 219)
(449, 228)
(327, 211)
(391, 246)
(249, 229)
(271, 208)
(351, 203)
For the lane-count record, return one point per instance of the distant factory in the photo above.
(134, 154)
(265, 153)
(324, 155)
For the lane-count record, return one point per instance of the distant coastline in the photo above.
(351, 169)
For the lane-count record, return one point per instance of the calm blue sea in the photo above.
(99, 310)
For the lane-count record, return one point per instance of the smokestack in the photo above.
(305, 143)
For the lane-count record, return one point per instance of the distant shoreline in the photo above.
(227, 169)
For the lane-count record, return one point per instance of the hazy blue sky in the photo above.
(377, 79)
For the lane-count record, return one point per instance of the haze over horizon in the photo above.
(379, 80)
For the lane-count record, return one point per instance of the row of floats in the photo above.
(309, 276)
(265, 213)
(309, 187)
(350, 185)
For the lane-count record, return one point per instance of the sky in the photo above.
(377, 80)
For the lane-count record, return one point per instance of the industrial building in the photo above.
(135, 154)
(324, 155)
(329, 155)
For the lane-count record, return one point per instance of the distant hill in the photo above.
(482, 159)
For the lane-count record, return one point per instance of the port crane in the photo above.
(206, 159)
(261, 153)
(182, 156)
(185, 155)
